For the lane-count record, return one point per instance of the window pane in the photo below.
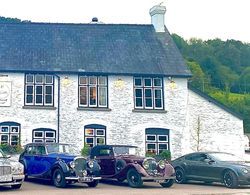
(14, 129)
(14, 139)
(138, 102)
(100, 140)
(100, 132)
(83, 80)
(5, 129)
(138, 92)
(48, 89)
(4, 139)
(90, 141)
(163, 146)
(151, 138)
(48, 79)
(147, 82)
(102, 80)
(92, 80)
(148, 93)
(29, 89)
(29, 99)
(138, 82)
(158, 103)
(149, 102)
(157, 82)
(157, 93)
(49, 134)
(39, 78)
(92, 96)
(39, 90)
(29, 78)
(162, 138)
(48, 99)
(102, 96)
(38, 134)
(89, 131)
(83, 96)
(39, 99)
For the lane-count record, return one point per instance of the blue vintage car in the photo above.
(53, 161)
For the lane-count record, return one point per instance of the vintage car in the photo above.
(54, 161)
(11, 172)
(122, 162)
(210, 167)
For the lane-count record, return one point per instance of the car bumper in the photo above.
(16, 179)
(156, 179)
(82, 179)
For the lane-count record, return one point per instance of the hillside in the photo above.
(221, 69)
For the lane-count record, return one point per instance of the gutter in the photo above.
(58, 107)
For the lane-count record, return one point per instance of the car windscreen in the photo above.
(226, 157)
(120, 150)
(58, 148)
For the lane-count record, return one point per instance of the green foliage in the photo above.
(8, 149)
(11, 20)
(165, 154)
(85, 150)
(221, 69)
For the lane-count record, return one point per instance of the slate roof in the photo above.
(90, 48)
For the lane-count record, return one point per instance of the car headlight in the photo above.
(145, 164)
(244, 170)
(18, 169)
(161, 164)
(72, 164)
(91, 164)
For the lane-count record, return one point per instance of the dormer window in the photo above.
(148, 93)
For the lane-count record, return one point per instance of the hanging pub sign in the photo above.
(5, 93)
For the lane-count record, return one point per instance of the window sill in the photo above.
(149, 111)
(40, 107)
(93, 109)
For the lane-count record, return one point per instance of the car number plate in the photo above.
(5, 178)
(85, 179)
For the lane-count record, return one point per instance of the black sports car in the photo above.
(212, 167)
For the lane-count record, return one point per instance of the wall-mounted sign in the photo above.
(119, 84)
(5, 93)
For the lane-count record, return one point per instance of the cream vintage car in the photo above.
(11, 172)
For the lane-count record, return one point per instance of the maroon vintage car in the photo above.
(122, 162)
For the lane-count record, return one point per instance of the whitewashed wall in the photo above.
(123, 124)
(219, 130)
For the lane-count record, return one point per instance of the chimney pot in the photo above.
(157, 14)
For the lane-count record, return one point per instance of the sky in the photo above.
(205, 19)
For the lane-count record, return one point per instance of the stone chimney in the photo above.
(157, 14)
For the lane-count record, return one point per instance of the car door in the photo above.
(28, 159)
(41, 164)
(106, 160)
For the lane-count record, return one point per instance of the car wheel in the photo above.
(230, 180)
(180, 175)
(18, 186)
(134, 178)
(59, 178)
(168, 183)
(93, 183)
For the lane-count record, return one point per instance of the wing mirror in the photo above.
(209, 161)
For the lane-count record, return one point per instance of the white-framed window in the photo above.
(94, 135)
(10, 133)
(39, 89)
(44, 135)
(93, 91)
(157, 140)
(148, 93)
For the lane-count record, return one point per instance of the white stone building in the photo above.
(106, 84)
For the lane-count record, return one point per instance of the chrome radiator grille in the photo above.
(5, 170)
(80, 166)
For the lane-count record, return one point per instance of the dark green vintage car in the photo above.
(212, 167)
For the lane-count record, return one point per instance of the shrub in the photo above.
(165, 154)
(8, 149)
(85, 150)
